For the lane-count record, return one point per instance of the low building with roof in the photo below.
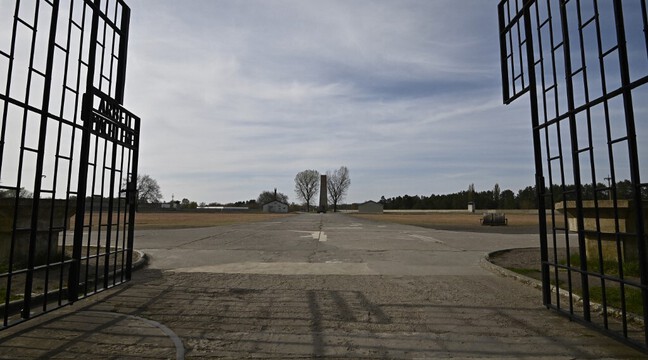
(275, 206)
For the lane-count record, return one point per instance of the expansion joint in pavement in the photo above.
(177, 342)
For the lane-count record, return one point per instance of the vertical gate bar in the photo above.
(503, 63)
(644, 18)
(575, 162)
(31, 242)
(40, 158)
(5, 106)
(102, 171)
(525, 8)
(537, 154)
(132, 198)
(68, 18)
(111, 200)
(131, 187)
(123, 53)
(2, 142)
(86, 112)
(634, 157)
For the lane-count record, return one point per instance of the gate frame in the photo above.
(121, 198)
(522, 54)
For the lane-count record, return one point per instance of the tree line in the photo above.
(506, 199)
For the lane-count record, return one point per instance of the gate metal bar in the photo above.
(68, 154)
(583, 64)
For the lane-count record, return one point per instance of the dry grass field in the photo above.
(180, 220)
(183, 220)
(517, 222)
(453, 221)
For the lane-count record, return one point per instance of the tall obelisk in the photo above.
(323, 204)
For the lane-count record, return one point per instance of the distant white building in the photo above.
(370, 207)
(171, 205)
(275, 206)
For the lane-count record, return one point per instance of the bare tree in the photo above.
(307, 185)
(22, 193)
(148, 190)
(337, 184)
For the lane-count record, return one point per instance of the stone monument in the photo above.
(323, 205)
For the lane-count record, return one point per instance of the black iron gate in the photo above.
(583, 63)
(68, 153)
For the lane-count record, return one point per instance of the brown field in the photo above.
(183, 220)
(517, 223)
(180, 220)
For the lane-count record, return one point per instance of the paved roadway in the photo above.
(324, 244)
(314, 285)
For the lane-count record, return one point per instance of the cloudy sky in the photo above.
(237, 97)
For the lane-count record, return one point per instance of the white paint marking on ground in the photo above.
(311, 234)
(427, 238)
(315, 235)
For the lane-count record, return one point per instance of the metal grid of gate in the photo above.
(583, 63)
(68, 153)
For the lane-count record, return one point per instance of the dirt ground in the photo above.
(528, 259)
(518, 223)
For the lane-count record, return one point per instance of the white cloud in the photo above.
(237, 97)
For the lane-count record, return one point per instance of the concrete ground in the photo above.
(313, 285)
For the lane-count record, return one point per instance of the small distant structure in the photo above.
(471, 207)
(168, 206)
(275, 206)
(224, 208)
(494, 219)
(370, 207)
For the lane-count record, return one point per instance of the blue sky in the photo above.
(237, 97)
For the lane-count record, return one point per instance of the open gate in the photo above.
(583, 64)
(68, 153)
